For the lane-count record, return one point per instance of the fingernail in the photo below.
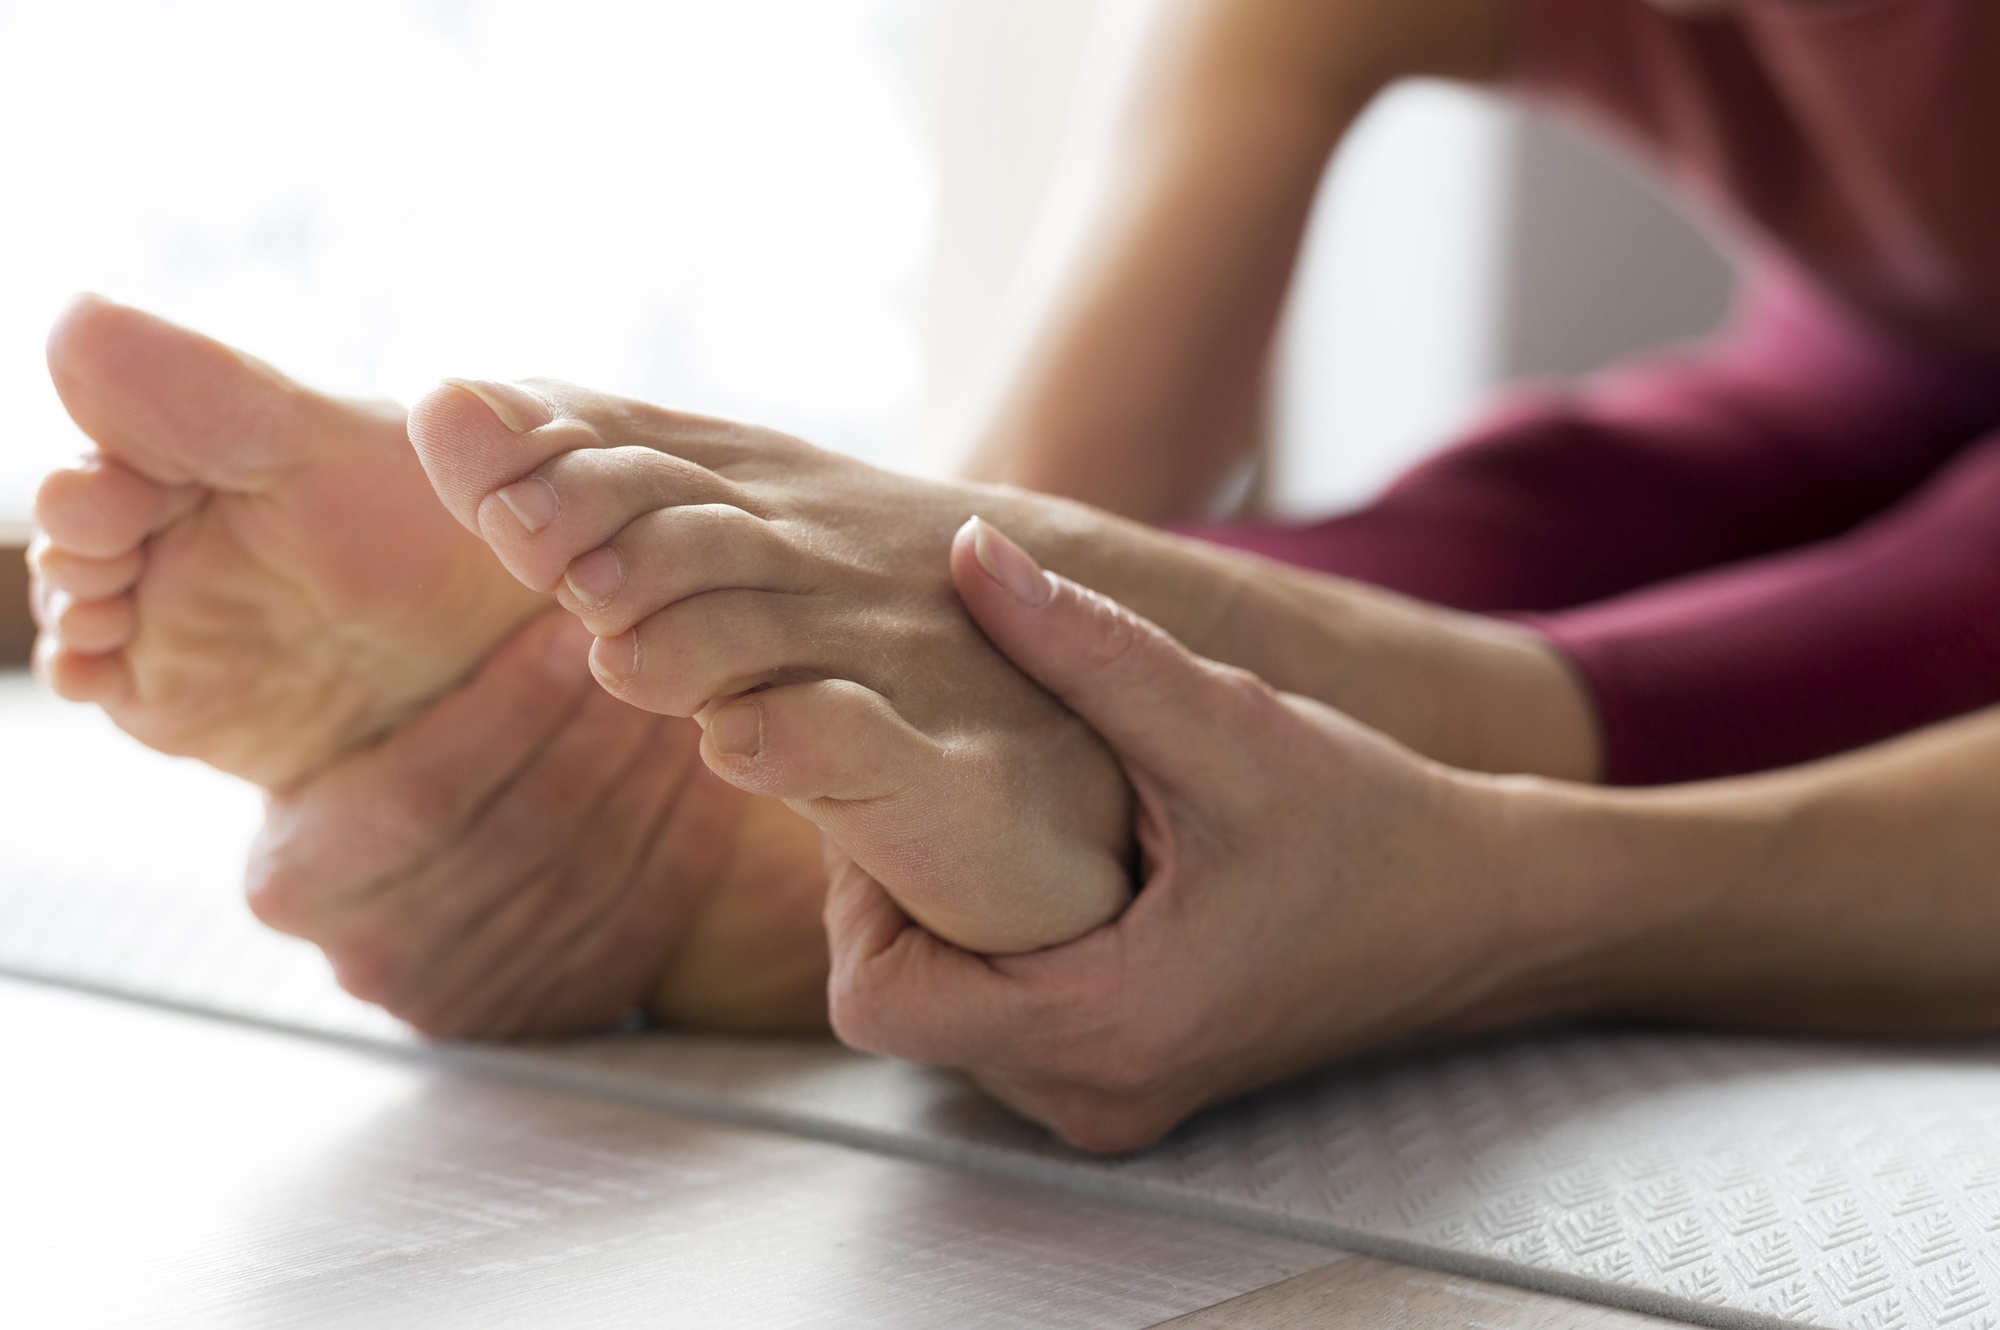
(594, 578)
(519, 410)
(1009, 565)
(616, 658)
(568, 651)
(532, 501)
(737, 730)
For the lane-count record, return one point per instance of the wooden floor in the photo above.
(163, 1169)
(17, 630)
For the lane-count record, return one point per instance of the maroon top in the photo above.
(1787, 542)
(1859, 137)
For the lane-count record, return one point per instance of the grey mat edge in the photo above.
(1078, 1175)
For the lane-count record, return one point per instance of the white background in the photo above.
(834, 216)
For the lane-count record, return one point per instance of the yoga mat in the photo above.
(1732, 1182)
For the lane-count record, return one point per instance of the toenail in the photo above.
(615, 659)
(518, 409)
(594, 578)
(532, 501)
(737, 730)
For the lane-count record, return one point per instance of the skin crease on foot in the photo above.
(715, 561)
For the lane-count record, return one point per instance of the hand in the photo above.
(531, 856)
(1311, 888)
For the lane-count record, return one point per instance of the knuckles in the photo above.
(863, 1019)
(1114, 1087)
(1112, 632)
(1244, 699)
(853, 1020)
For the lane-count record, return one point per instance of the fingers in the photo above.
(1159, 706)
(882, 963)
(1087, 1117)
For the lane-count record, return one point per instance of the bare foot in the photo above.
(246, 571)
(713, 559)
(258, 575)
(528, 855)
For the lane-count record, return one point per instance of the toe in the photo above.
(669, 554)
(575, 502)
(829, 739)
(705, 441)
(90, 627)
(85, 578)
(102, 509)
(713, 646)
(476, 437)
(77, 676)
(174, 405)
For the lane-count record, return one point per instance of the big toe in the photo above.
(474, 436)
(172, 404)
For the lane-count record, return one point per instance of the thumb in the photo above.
(1161, 708)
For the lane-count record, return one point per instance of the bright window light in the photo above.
(729, 206)
(723, 206)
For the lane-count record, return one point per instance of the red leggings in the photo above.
(1782, 545)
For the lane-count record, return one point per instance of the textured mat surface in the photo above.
(1734, 1182)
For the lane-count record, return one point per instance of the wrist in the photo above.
(1473, 692)
(1617, 902)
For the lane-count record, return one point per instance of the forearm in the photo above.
(1856, 895)
(1146, 380)
(1146, 384)
(1472, 692)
